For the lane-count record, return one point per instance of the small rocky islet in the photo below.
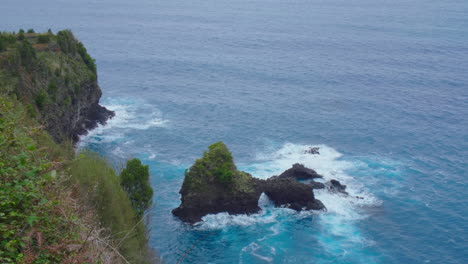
(214, 185)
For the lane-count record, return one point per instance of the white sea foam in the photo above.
(252, 249)
(128, 115)
(339, 230)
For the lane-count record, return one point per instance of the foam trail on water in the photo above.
(339, 234)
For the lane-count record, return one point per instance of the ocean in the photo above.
(381, 87)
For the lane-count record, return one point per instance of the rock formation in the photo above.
(213, 185)
(287, 192)
(336, 187)
(299, 172)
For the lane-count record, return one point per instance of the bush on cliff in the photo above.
(134, 179)
(27, 54)
(66, 41)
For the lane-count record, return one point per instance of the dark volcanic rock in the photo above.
(88, 115)
(196, 205)
(336, 186)
(292, 194)
(214, 185)
(299, 172)
(316, 185)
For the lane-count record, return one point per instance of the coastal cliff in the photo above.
(58, 206)
(55, 77)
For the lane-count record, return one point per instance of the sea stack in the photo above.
(213, 185)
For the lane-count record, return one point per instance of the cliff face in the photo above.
(56, 78)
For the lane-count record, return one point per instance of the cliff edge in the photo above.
(56, 78)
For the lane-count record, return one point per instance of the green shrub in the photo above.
(43, 39)
(217, 164)
(90, 62)
(30, 30)
(41, 100)
(8, 38)
(66, 41)
(67, 80)
(134, 179)
(27, 54)
(67, 101)
(52, 88)
(31, 111)
(2, 45)
(21, 35)
(221, 162)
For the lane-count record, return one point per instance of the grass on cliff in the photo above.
(36, 220)
(52, 202)
(99, 183)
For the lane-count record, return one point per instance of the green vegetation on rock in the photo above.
(216, 166)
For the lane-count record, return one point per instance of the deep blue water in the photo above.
(380, 86)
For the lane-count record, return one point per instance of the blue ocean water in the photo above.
(380, 86)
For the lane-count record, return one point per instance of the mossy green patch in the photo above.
(216, 166)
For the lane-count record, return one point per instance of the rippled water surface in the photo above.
(380, 86)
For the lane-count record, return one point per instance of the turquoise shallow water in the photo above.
(380, 86)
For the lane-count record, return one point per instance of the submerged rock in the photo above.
(336, 186)
(300, 172)
(316, 185)
(312, 150)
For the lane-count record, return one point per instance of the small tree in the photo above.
(27, 54)
(21, 35)
(134, 179)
